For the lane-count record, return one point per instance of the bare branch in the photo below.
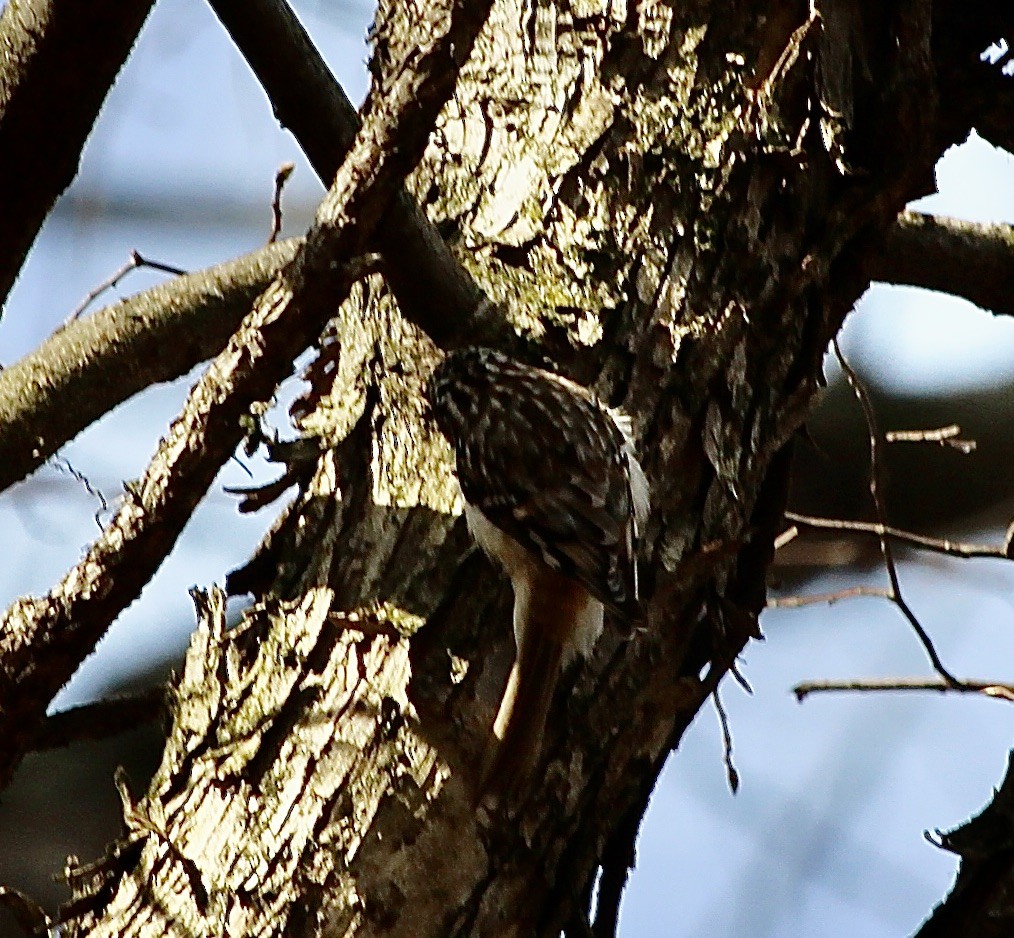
(945, 436)
(939, 545)
(100, 719)
(53, 54)
(42, 640)
(136, 260)
(967, 259)
(851, 592)
(101, 360)
(432, 289)
(867, 685)
(876, 490)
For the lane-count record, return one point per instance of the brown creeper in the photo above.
(554, 493)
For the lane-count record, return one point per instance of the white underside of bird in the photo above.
(556, 620)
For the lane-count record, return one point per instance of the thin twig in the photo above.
(940, 545)
(61, 462)
(851, 592)
(923, 436)
(739, 677)
(876, 490)
(723, 719)
(987, 688)
(242, 465)
(945, 436)
(281, 178)
(136, 260)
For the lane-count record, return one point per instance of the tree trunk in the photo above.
(677, 203)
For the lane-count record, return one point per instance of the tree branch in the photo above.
(939, 545)
(101, 718)
(866, 685)
(835, 596)
(432, 288)
(42, 640)
(59, 62)
(966, 259)
(949, 436)
(101, 360)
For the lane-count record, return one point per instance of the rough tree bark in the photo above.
(680, 203)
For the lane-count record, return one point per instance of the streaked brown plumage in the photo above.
(554, 493)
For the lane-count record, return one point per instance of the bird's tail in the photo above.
(521, 721)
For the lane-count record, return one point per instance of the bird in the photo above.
(553, 492)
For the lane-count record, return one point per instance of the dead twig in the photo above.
(986, 688)
(940, 545)
(281, 178)
(945, 436)
(851, 592)
(64, 464)
(723, 718)
(876, 490)
(136, 260)
(787, 536)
